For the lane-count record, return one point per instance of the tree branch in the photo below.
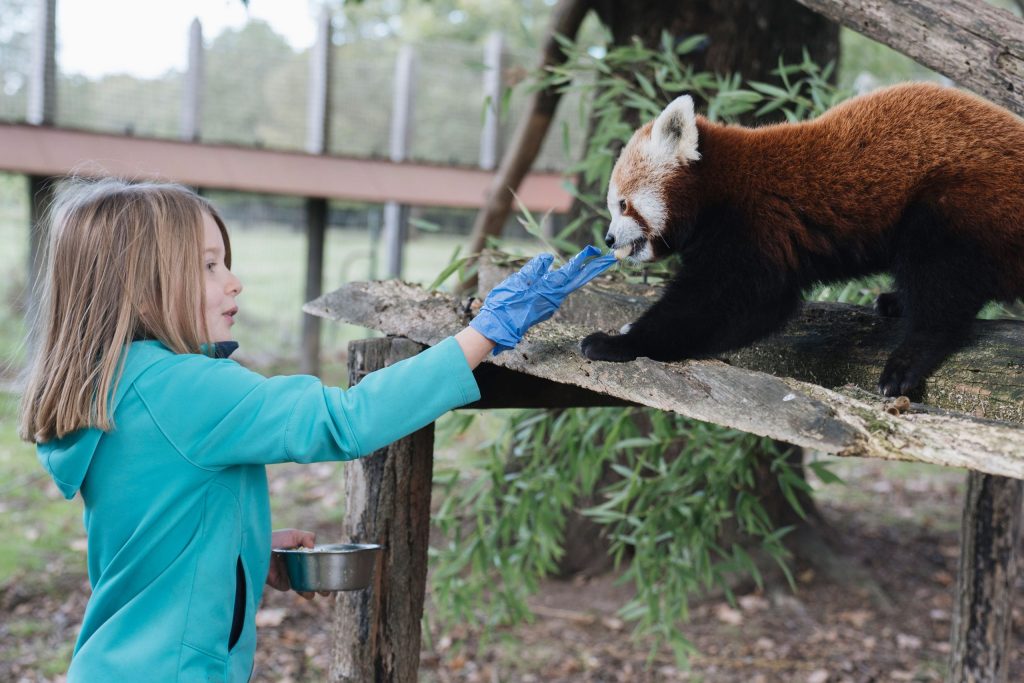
(978, 46)
(846, 421)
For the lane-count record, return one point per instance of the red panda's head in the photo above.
(649, 172)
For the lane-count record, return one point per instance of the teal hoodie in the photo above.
(176, 504)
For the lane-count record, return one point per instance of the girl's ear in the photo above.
(675, 130)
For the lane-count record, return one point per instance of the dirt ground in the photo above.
(890, 624)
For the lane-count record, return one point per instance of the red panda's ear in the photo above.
(675, 130)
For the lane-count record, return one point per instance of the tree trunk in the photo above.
(970, 396)
(744, 36)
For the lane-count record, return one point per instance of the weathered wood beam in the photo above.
(983, 612)
(846, 421)
(977, 45)
(376, 631)
(830, 345)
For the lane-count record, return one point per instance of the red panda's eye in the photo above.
(622, 206)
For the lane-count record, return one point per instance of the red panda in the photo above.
(922, 181)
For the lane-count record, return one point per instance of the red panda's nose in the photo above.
(609, 239)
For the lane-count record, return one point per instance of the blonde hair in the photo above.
(123, 262)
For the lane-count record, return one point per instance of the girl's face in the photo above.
(221, 284)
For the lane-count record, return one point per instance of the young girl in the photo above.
(132, 402)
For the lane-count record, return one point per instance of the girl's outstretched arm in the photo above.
(474, 345)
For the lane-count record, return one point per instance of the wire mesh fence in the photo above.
(255, 92)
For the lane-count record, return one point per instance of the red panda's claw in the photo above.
(601, 346)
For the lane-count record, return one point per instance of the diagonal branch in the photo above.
(978, 46)
(530, 133)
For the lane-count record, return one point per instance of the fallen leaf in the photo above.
(753, 603)
(270, 617)
(728, 615)
(907, 642)
(818, 676)
(857, 618)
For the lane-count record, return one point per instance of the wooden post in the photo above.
(41, 111)
(192, 98)
(988, 570)
(41, 194)
(395, 215)
(490, 137)
(317, 142)
(376, 631)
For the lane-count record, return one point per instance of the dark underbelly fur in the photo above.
(727, 295)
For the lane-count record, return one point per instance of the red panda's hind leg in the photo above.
(944, 278)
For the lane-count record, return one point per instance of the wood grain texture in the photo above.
(376, 631)
(977, 45)
(842, 419)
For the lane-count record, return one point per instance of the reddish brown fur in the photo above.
(921, 181)
(858, 166)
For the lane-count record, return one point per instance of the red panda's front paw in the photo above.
(900, 377)
(601, 346)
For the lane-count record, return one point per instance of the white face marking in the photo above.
(651, 156)
(648, 203)
(675, 130)
(645, 253)
(613, 199)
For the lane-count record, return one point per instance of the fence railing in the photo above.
(249, 87)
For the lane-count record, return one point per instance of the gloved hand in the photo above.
(533, 294)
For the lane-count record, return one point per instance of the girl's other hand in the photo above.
(277, 576)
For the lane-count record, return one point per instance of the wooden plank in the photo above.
(40, 150)
(396, 215)
(318, 134)
(490, 135)
(318, 108)
(847, 421)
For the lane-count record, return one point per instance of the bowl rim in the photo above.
(331, 549)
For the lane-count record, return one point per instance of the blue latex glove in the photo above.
(533, 295)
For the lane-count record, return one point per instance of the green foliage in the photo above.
(679, 481)
(675, 483)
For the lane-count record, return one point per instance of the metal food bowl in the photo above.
(331, 567)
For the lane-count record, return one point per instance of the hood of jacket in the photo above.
(67, 459)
